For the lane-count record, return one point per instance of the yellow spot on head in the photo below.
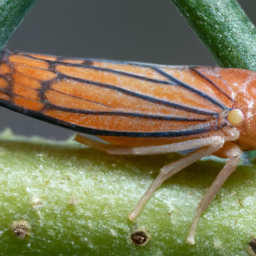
(235, 117)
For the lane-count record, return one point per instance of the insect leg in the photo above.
(231, 134)
(126, 150)
(169, 170)
(233, 153)
(108, 148)
(92, 143)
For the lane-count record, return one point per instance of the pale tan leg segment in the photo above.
(92, 143)
(233, 153)
(232, 134)
(169, 170)
(207, 146)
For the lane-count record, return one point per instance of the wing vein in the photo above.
(141, 96)
(184, 85)
(211, 82)
(122, 113)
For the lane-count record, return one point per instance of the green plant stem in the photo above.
(12, 13)
(224, 29)
(75, 201)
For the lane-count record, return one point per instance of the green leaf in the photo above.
(12, 13)
(224, 29)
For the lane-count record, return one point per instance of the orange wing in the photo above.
(114, 98)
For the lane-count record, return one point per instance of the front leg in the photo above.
(169, 170)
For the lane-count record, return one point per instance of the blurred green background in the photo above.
(146, 31)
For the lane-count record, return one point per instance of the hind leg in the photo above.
(229, 134)
(150, 150)
(233, 153)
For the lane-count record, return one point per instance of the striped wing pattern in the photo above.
(114, 98)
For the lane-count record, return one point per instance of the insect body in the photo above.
(139, 109)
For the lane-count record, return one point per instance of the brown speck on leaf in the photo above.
(21, 229)
(140, 237)
(234, 193)
(73, 201)
(37, 202)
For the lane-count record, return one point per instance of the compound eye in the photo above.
(235, 117)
